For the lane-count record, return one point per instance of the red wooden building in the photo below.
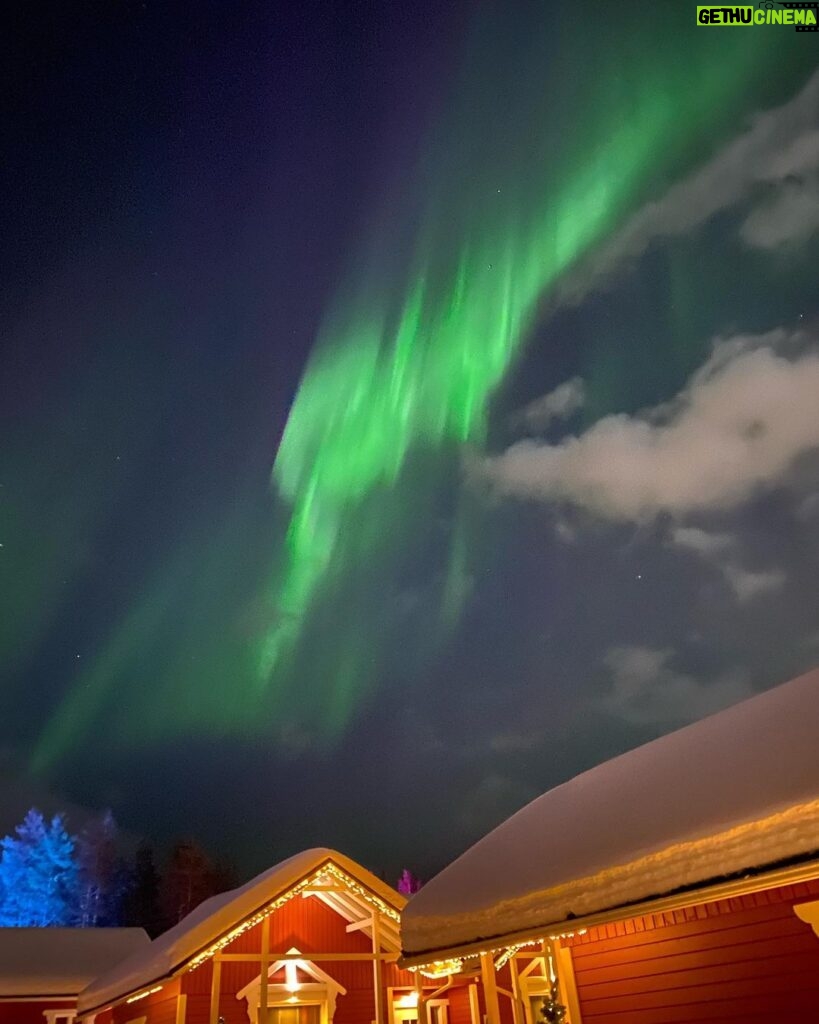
(676, 884)
(43, 970)
(313, 940)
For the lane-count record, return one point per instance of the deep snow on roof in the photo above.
(61, 961)
(735, 791)
(216, 916)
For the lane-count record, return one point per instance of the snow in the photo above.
(61, 961)
(735, 791)
(212, 919)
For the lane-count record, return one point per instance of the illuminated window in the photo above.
(404, 1009)
(298, 992)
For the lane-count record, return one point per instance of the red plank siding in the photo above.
(310, 926)
(746, 959)
(18, 1012)
(459, 1012)
(159, 1008)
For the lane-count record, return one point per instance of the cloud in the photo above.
(747, 585)
(701, 541)
(559, 404)
(779, 153)
(737, 427)
(718, 548)
(792, 215)
(646, 691)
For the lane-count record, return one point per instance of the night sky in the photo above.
(404, 406)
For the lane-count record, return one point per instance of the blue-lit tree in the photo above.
(38, 874)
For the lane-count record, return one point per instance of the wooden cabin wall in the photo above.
(459, 1010)
(15, 1011)
(158, 1008)
(311, 927)
(745, 960)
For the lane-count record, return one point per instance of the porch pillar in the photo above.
(215, 985)
(378, 970)
(518, 1012)
(181, 1008)
(474, 1005)
(422, 1005)
(265, 963)
(568, 984)
(490, 989)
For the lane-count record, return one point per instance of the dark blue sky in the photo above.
(186, 188)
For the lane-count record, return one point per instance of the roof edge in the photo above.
(379, 889)
(770, 876)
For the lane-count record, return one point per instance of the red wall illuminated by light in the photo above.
(745, 960)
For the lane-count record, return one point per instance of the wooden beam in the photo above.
(358, 925)
(378, 973)
(568, 982)
(215, 984)
(490, 989)
(264, 963)
(474, 1005)
(518, 1010)
(181, 1008)
(423, 1017)
(255, 958)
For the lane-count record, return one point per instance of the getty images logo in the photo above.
(804, 16)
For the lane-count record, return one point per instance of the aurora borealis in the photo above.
(358, 268)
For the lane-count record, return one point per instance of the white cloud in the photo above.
(701, 541)
(559, 404)
(718, 548)
(779, 151)
(737, 427)
(792, 215)
(646, 691)
(747, 585)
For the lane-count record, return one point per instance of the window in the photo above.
(59, 1016)
(404, 1009)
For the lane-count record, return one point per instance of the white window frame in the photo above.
(322, 991)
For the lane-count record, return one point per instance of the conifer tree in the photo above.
(38, 874)
(100, 873)
(141, 903)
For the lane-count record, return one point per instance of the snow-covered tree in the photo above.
(38, 874)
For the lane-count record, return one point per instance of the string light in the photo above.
(442, 968)
(507, 952)
(143, 995)
(321, 876)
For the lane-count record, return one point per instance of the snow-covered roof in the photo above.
(736, 791)
(61, 961)
(219, 915)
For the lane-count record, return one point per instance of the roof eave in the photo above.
(752, 880)
(386, 895)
